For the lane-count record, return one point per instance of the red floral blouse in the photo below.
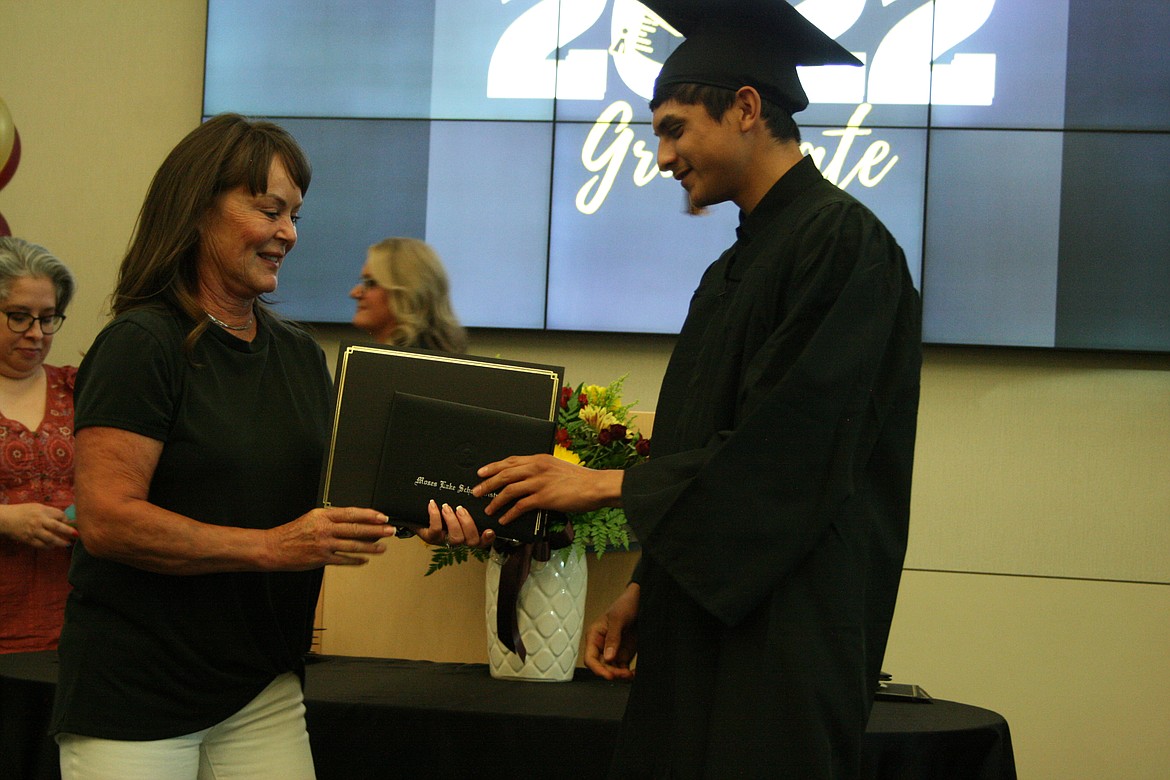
(36, 467)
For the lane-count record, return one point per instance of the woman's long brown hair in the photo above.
(227, 151)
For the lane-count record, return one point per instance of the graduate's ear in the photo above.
(747, 107)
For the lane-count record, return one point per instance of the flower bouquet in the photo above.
(595, 430)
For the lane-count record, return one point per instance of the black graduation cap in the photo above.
(738, 43)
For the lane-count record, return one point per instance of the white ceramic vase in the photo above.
(550, 613)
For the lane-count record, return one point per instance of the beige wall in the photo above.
(1038, 579)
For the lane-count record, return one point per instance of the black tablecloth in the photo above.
(375, 718)
(27, 682)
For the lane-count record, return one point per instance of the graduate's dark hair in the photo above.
(716, 100)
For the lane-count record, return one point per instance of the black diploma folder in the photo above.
(432, 449)
(368, 380)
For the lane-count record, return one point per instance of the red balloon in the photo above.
(9, 165)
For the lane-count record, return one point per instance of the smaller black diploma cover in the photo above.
(432, 449)
(372, 378)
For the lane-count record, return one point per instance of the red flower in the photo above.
(617, 432)
(643, 448)
(583, 399)
(604, 436)
(566, 394)
(562, 437)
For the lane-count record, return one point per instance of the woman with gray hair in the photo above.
(36, 448)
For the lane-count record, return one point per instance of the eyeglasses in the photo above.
(22, 321)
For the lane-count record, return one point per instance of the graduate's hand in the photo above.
(454, 526)
(529, 482)
(612, 640)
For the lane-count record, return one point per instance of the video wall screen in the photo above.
(1018, 149)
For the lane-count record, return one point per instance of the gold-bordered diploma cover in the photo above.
(367, 378)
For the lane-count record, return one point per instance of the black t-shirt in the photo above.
(244, 427)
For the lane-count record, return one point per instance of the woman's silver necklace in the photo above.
(225, 326)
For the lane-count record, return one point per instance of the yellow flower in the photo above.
(597, 417)
(598, 396)
(566, 455)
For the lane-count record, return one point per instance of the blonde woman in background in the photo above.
(403, 298)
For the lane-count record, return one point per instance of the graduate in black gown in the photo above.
(773, 512)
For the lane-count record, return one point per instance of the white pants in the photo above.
(266, 739)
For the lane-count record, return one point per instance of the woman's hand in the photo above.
(454, 526)
(343, 536)
(36, 525)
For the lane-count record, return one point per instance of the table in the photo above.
(374, 717)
